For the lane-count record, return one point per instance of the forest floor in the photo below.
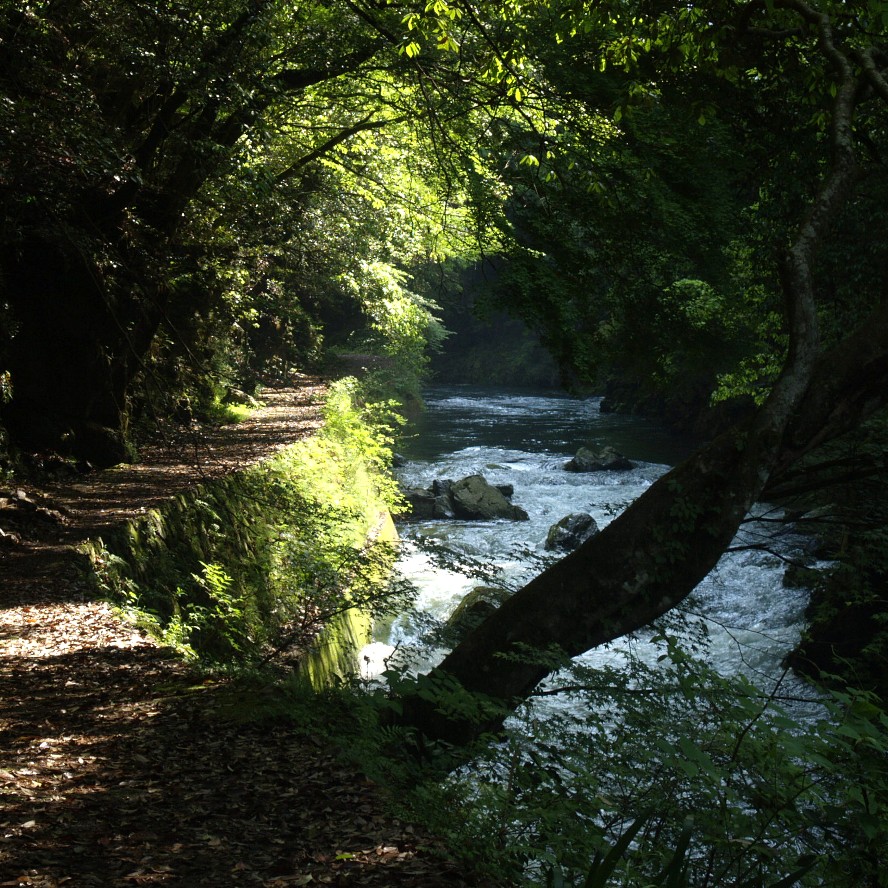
(118, 766)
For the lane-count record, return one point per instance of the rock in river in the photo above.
(606, 460)
(571, 532)
(473, 498)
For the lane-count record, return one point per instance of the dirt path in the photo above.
(116, 768)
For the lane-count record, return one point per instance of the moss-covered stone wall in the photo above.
(212, 572)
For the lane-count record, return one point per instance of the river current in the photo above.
(524, 439)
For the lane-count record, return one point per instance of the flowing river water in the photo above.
(524, 439)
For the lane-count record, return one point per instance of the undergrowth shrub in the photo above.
(257, 567)
(665, 774)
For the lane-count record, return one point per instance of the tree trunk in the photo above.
(656, 552)
(71, 358)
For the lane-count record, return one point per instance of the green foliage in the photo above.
(846, 639)
(673, 775)
(257, 567)
(236, 190)
(364, 431)
(401, 323)
(196, 628)
(657, 145)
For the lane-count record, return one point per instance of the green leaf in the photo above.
(602, 869)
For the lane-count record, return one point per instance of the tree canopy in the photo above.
(191, 194)
(686, 197)
(685, 200)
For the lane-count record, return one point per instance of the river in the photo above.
(524, 439)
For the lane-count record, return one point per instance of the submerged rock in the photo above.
(476, 607)
(571, 532)
(606, 460)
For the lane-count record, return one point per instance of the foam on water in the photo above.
(524, 440)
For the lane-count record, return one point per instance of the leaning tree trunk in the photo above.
(656, 552)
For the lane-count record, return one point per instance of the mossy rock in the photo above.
(476, 607)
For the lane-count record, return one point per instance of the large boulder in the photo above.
(476, 607)
(571, 532)
(443, 500)
(421, 503)
(605, 460)
(473, 499)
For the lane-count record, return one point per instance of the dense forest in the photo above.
(679, 205)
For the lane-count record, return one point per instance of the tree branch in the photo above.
(367, 123)
(866, 59)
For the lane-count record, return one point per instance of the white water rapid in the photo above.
(524, 439)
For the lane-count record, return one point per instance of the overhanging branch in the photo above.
(367, 123)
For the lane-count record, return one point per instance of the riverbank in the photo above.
(120, 764)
